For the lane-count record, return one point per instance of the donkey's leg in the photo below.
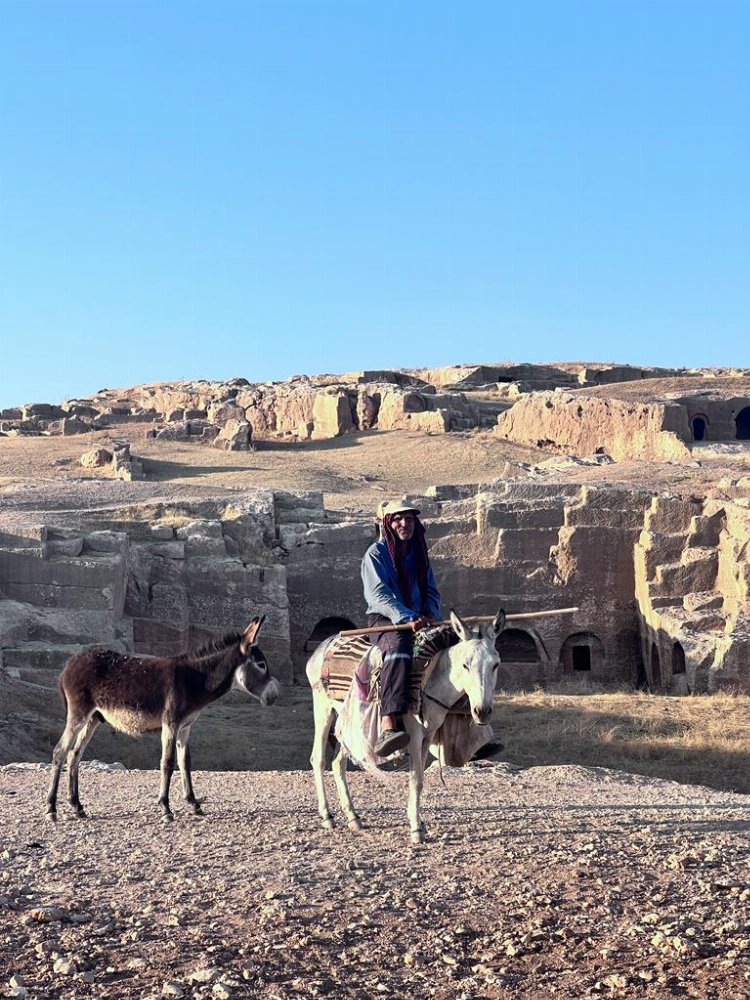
(338, 766)
(168, 740)
(416, 777)
(74, 759)
(324, 713)
(73, 726)
(183, 762)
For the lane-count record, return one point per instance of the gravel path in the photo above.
(556, 881)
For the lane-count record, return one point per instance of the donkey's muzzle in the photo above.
(270, 693)
(482, 714)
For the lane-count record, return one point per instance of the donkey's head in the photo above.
(252, 674)
(475, 661)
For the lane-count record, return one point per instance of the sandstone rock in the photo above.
(587, 424)
(225, 412)
(67, 426)
(235, 435)
(332, 416)
(96, 458)
(44, 410)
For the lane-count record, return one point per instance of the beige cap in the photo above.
(395, 507)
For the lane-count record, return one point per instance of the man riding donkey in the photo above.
(400, 588)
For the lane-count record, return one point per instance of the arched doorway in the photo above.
(582, 652)
(655, 667)
(742, 420)
(700, 427)
(678, 659)
(516, 646)
(324, 628)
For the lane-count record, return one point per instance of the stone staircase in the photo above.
(677, 561)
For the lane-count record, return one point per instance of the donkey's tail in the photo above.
(61, 690)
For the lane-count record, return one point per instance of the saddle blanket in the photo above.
(353, 659)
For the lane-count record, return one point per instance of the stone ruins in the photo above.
(662, 579)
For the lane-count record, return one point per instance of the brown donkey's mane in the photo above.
(214, 646)
(209, 654)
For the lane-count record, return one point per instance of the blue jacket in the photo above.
(382, 591)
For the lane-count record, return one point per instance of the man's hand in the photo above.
(421, 622)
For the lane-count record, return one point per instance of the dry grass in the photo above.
(702, 740)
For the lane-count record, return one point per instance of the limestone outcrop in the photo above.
(585, 424)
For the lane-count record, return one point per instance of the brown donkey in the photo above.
(140, 695)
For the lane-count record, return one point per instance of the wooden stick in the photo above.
(470, 618)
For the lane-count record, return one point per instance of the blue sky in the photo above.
(216, 189)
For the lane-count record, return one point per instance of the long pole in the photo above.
(470, 618)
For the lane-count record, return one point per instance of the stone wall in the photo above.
(662, 583)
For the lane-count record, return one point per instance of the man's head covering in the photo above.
(395, 507)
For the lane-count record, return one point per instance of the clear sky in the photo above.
(215, 189)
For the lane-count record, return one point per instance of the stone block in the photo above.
(64, 547)
(95, 458)
(44, 410)
(529, 545)
(292, 535)
(53, 596)
(68, 426)
(708, 600)
(331, 416)
(202, 546)
(159, 638)
(698, 573)
(362, 534)
(502, 514)
(605, 517)
(283, 500)
(301, 515)
(37, 656)
(446, 527)
(671, 515)
(106, 541)
(658, 549)
(162, 532)
(169, 550)
(705, 530)
(208, 529)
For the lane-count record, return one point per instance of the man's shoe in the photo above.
(488, 750)
(390, 741)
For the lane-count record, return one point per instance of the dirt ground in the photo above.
(563, 881)
(355, 472)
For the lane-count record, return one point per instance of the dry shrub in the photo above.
(695, 740)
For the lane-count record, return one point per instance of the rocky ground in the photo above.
(556, 881)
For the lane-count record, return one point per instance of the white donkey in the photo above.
(468, 668)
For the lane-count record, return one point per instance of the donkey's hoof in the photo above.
(168, 817)
(418, 836)
(328, 823)
(197, 811)
(81, 813)
(355, 823)
(51, 815)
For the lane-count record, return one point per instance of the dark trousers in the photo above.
(397, 649)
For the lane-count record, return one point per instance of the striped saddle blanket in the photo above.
(354, 659)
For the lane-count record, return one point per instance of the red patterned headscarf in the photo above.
(397, 551)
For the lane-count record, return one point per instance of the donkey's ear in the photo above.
(493, 629)
(251, 633)
(462, 630)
